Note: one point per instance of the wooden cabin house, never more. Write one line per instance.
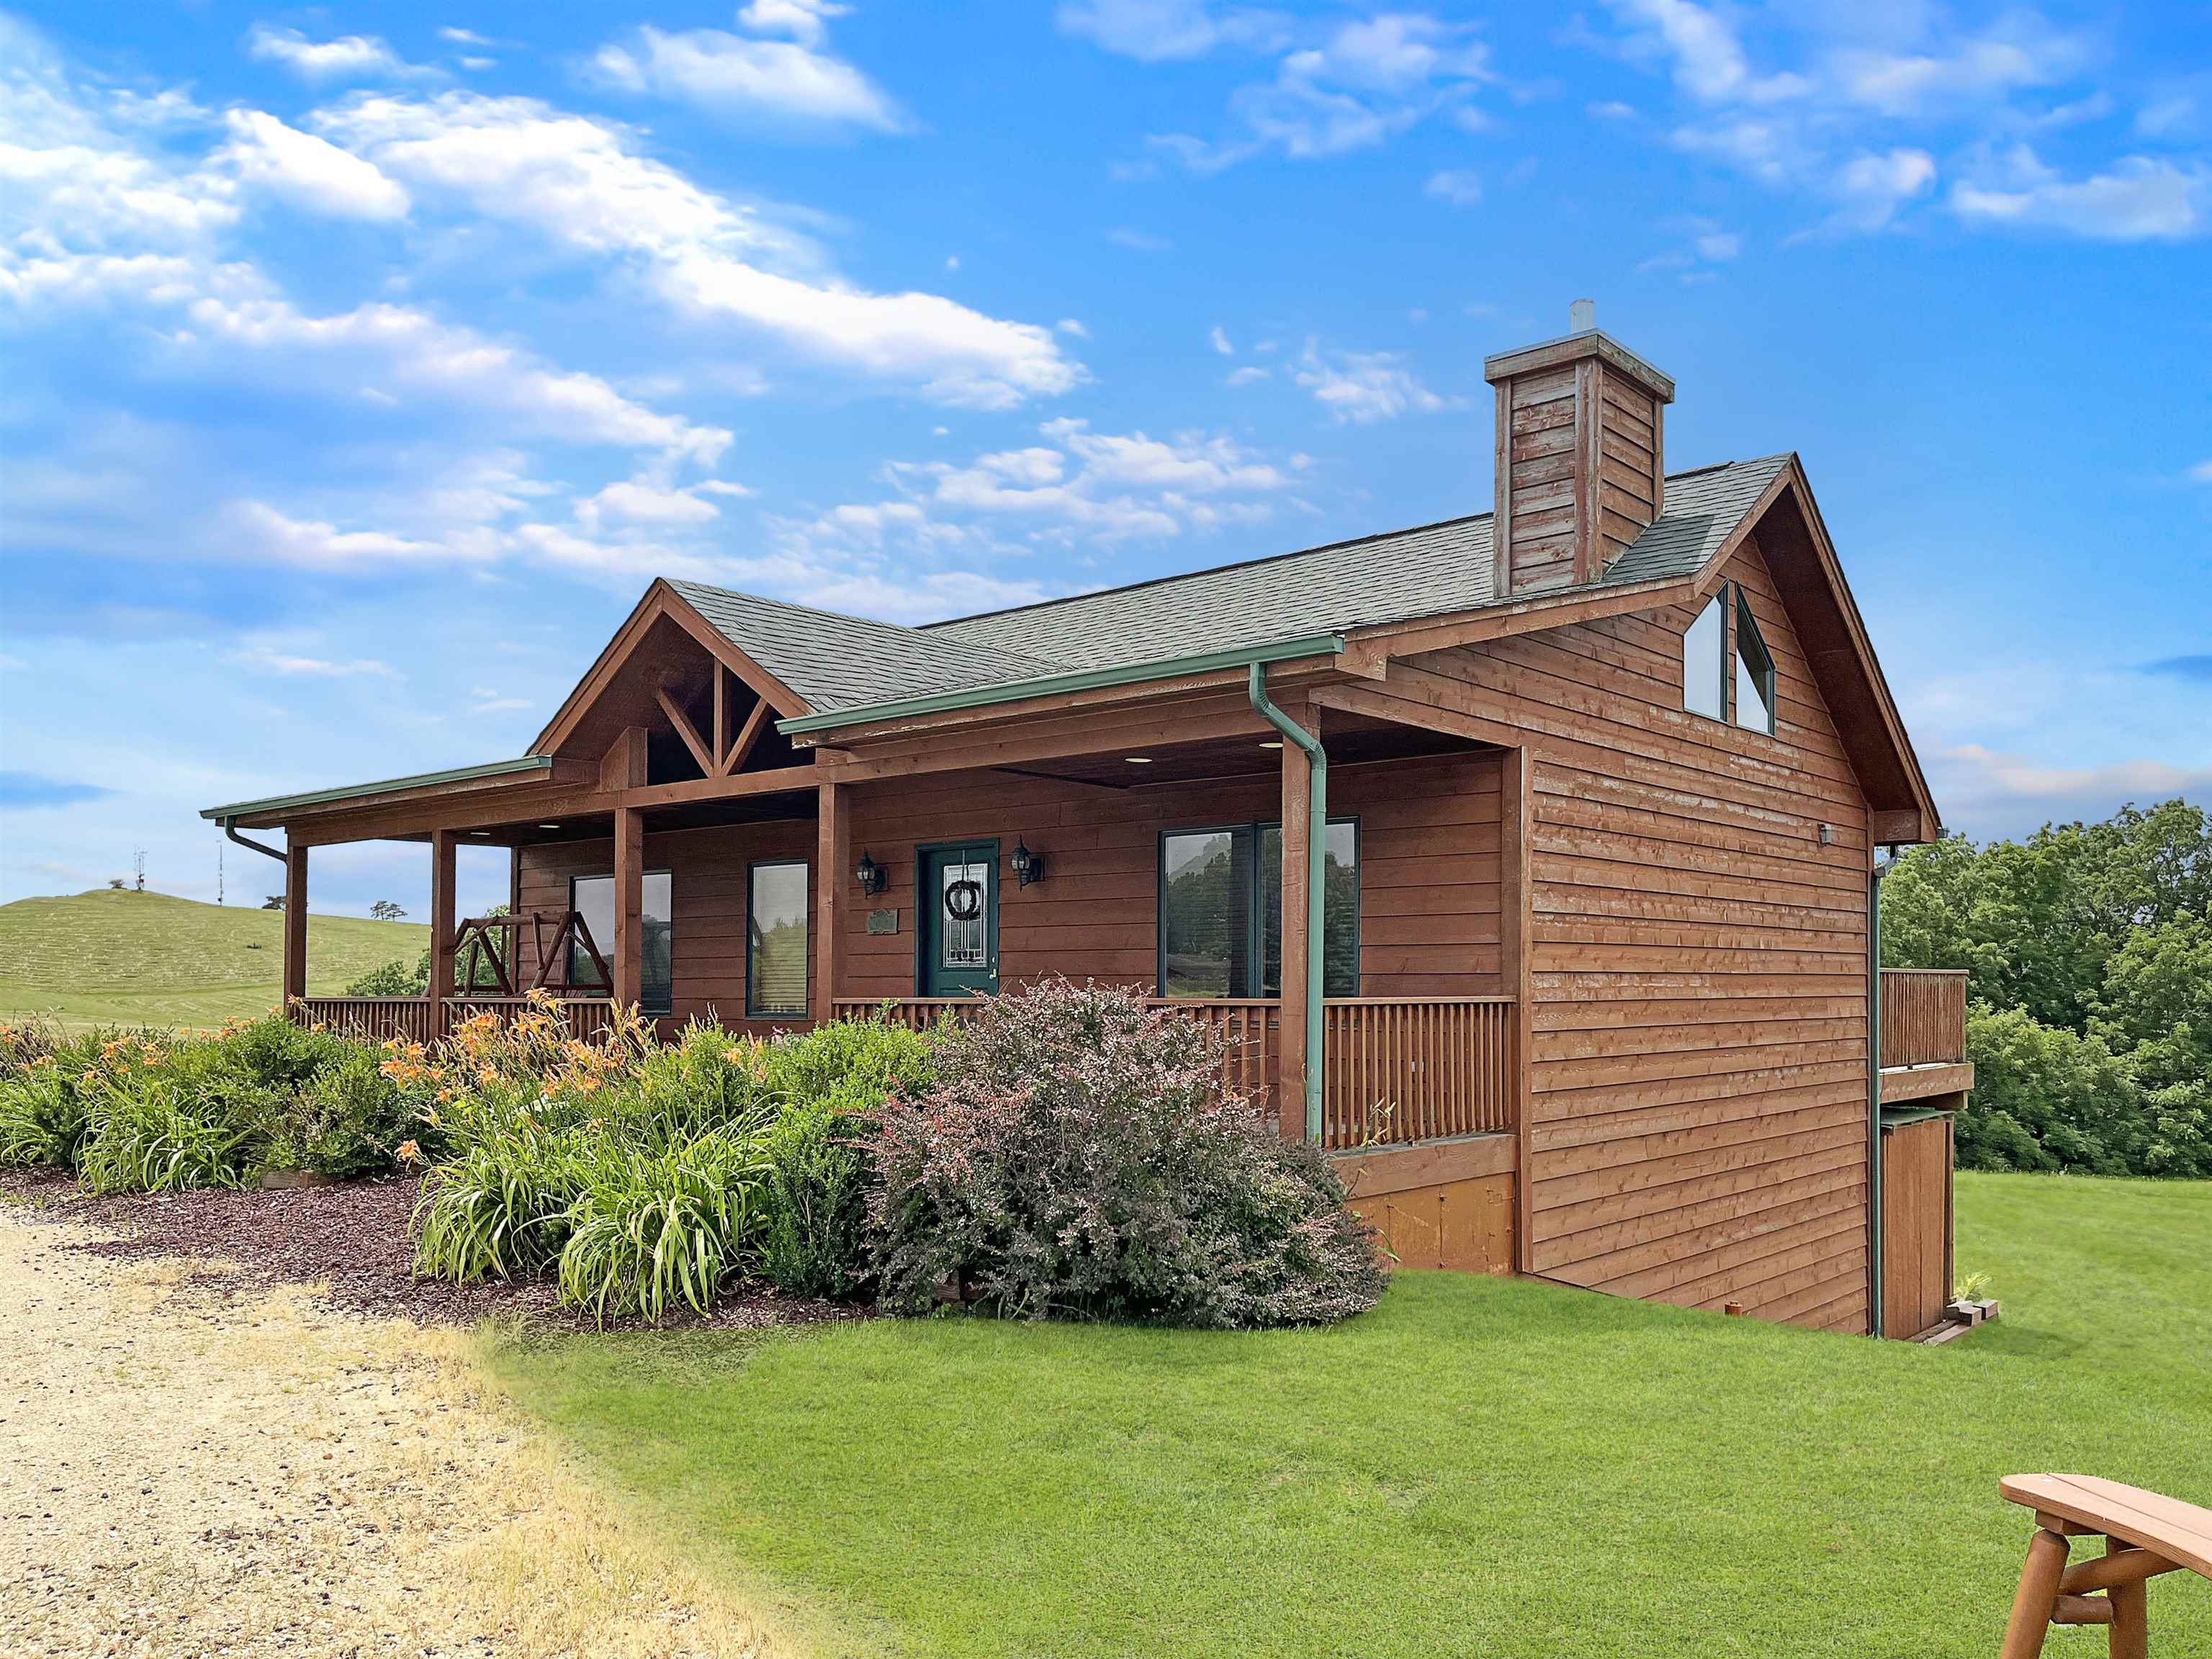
(1526, 858)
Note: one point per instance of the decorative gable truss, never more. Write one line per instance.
(672, 700)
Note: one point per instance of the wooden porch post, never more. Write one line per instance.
(295, 922)
(832, 855)
(1290, 1057)
(441, 927)
(1516, 769)
(628, 964)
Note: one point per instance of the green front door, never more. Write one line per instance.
(957, 902)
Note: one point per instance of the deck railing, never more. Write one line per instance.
(1924, 1016)
(1395, 1069)
(1416, 1068)
(381, 1019)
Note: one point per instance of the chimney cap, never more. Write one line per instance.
(1582, 317)
(1572, 349)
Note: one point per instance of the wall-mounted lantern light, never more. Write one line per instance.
(1028, 867)
(872, 876)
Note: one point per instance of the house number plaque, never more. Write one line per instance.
(883, 921)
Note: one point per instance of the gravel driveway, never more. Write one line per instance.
(195, 1463)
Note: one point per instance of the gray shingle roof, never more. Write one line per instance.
(838, 662)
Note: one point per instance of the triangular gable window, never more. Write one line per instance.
(1754, 672)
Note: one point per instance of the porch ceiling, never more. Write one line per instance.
(1351, 740)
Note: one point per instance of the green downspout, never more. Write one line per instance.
(1316, 881)
(1874, 1090)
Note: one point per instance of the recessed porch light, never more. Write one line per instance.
(548, 826)
(1138, 760)
(480, 832)
(1277, 744)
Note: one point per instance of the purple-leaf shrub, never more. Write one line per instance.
(1078, 1155)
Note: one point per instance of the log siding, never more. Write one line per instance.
(1698, 970)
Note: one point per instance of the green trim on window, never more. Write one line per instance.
(1758, 660)
(753, 1008)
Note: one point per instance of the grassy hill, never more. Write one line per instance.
(131, 959)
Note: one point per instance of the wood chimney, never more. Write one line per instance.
(1581, 456)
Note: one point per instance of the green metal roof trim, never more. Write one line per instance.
(1078, 679)
(389, 787)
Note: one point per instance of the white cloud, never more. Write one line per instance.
(1162, 31)
(1877, 94)
(1352, 87)
(307, 172)
(1460, 186)
(264, 533)
(1219, 339)
(1872, 187)
(1246, 375)
(1365, 386)
(267, 658)
(489, 701)
(2202, 472)
(348, 57)
(461, 37)
(730, 75)
(804, 21)
(581, 184)
(1709, 59)
(641, 502)
(1141, 241)
(2138, 198)
(1985, 793)
(1071, 327)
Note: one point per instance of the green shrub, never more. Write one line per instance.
(815, 1201)
(1078, 1156)
(42, 1117)
(349, 1121)
(48, 1082)
(2046, 1099)
(152, 1132)
(394, 979)
(498, 1207)
(652, 1227)
(872, 1055)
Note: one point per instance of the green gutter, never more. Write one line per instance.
(1080, 679)
(389, 787)
(1317, 882)
(1874, 1095)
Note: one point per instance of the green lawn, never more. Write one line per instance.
(148, 958)
(1479, 1466)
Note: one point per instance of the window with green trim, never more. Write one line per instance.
(1755, 671)
(1221, 911)
(776, 947)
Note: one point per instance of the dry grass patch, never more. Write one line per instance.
(192, 1463)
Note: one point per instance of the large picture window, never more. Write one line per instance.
(776, 949)
(594, 897)
(1221, 911)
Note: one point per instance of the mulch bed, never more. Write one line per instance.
(351, 1238)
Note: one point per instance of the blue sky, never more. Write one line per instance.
(362, 364)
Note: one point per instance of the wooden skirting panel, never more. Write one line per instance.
(1447, 1204)
(1916, 1225)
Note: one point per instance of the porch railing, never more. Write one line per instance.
(1395, 1069)
(413, 1019)
(1924, 1016)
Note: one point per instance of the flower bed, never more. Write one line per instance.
(1069, 1153)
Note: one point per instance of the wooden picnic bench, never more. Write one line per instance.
(2145, 1534)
